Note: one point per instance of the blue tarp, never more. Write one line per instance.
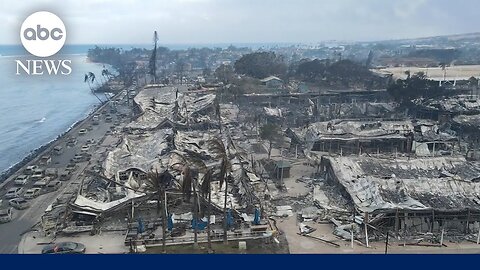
(229, 218)
(141, 226)
(256, 220)
(200, 225)
(170, 222)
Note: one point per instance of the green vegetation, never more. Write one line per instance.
(261, 64)
(415, 86)
(340, 74)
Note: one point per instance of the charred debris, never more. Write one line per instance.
(192, 168)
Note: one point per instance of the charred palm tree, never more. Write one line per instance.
(190, 168)
(206, 191)
(218, 115)
(217, 147)
(159, 182)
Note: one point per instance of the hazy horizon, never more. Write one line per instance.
(246, 21)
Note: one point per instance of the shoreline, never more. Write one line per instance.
(35, 153)
(39, 151)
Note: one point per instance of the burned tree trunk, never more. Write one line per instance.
(164, 219)
(208, 218)
(225, 221)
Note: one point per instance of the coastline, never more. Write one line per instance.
(35, 153)
(41, 150)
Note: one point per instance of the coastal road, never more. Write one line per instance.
(25, 220)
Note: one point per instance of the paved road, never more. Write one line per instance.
(24, 220)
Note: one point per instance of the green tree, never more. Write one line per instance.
(417, 86)
(261, 64)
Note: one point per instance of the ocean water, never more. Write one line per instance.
(34, 110)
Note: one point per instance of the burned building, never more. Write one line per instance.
(422, 138)
(357, 136)
(409, 196)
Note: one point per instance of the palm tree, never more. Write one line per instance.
(191, 166)
(217, 147)
(105, 76)
(89, 79)
(206, 191)
(159, 182)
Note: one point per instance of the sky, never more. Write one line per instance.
(245, 21)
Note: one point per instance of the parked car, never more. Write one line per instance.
(78, 158)
(43, 182)
(30, 169)
(71, 142)
(91, 141)
(64, 175)
(45, 160)
(13, 192)
(108, 119)
(19, 203)
(64, 248)
(85, 148)
(52, 172)
(21, 180)
(54, 185)
(82, 131)
(37, 174)
(6, 215)
(71, 166)
(32, 193)
(58, 150)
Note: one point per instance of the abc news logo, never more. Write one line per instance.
(43, 34)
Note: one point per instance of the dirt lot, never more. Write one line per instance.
(452, 73)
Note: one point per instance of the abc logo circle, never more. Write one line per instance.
(43, 34)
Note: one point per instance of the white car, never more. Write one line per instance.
(85, 148)
(19, 203)
(6, 215)
(21, 180)
(32, 193)
(82, 131)
(30, 169)
(43, 182)
(13, 192)
(54, 185)
(37, 174)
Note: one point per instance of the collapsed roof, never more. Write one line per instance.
(158, 105)
(442, 183)
(139, 151)
(456, 104)
(467, 121)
